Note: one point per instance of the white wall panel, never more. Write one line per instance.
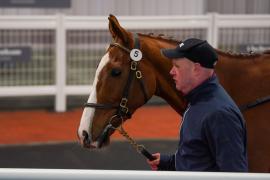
(149, 7)
(121, 7)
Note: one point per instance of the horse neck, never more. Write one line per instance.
(165, 86)
(244, 78)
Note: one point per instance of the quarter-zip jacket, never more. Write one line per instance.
(212, 134)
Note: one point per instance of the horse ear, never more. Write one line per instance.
(116, 29)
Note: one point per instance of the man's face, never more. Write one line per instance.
(182, 73)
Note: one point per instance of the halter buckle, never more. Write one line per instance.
(123, 105)
(138, 74)
(133, 65)
(124, 110)
(123, 102)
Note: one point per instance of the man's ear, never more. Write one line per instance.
(116, 30)
(197, 67)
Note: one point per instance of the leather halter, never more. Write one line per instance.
(122, 107)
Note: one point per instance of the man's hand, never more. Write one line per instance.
(154, 164)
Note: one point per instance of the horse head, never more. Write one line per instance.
(121, 85)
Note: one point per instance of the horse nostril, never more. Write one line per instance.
(85, 134)
(86, 140)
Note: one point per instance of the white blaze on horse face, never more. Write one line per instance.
(88, 113)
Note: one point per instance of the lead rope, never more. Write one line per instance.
(138, 147)
(124, 133)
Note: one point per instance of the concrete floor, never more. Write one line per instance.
(118, 156)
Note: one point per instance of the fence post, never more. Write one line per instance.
(209, 33)
(214, 31)
(60, 99)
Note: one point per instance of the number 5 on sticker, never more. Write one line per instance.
(135, 54)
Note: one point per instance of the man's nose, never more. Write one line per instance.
(172, 71)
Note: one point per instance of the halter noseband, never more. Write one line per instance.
(122, 107)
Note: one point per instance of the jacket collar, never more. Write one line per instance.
(203, 90)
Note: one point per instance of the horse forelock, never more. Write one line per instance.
(88, 113)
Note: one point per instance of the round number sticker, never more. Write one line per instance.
(135, 54)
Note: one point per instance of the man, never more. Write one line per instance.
(213, 132)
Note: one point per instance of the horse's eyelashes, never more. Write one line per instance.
(115, 72)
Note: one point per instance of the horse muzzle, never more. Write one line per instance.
(86, 141)
(101, 141)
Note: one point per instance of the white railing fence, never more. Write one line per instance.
(49, 174)
(66, 50)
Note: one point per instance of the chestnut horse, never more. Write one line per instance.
(245, 77)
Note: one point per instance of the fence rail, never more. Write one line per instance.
(49, 174)
(66, 49)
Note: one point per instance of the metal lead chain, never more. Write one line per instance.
(138, 74)
(137, 146)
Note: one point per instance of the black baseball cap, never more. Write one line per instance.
(196, 50)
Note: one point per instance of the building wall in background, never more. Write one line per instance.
(238, 6)
(149, 8)
(117, 7)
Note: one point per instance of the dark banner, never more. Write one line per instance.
(15, 54)
(35, 3)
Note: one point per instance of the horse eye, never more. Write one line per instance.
(115, 72)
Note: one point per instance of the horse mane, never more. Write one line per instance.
(266, 51)
(238, 55)
(228, 53)
(161, 37)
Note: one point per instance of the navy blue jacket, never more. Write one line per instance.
(212, 135)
